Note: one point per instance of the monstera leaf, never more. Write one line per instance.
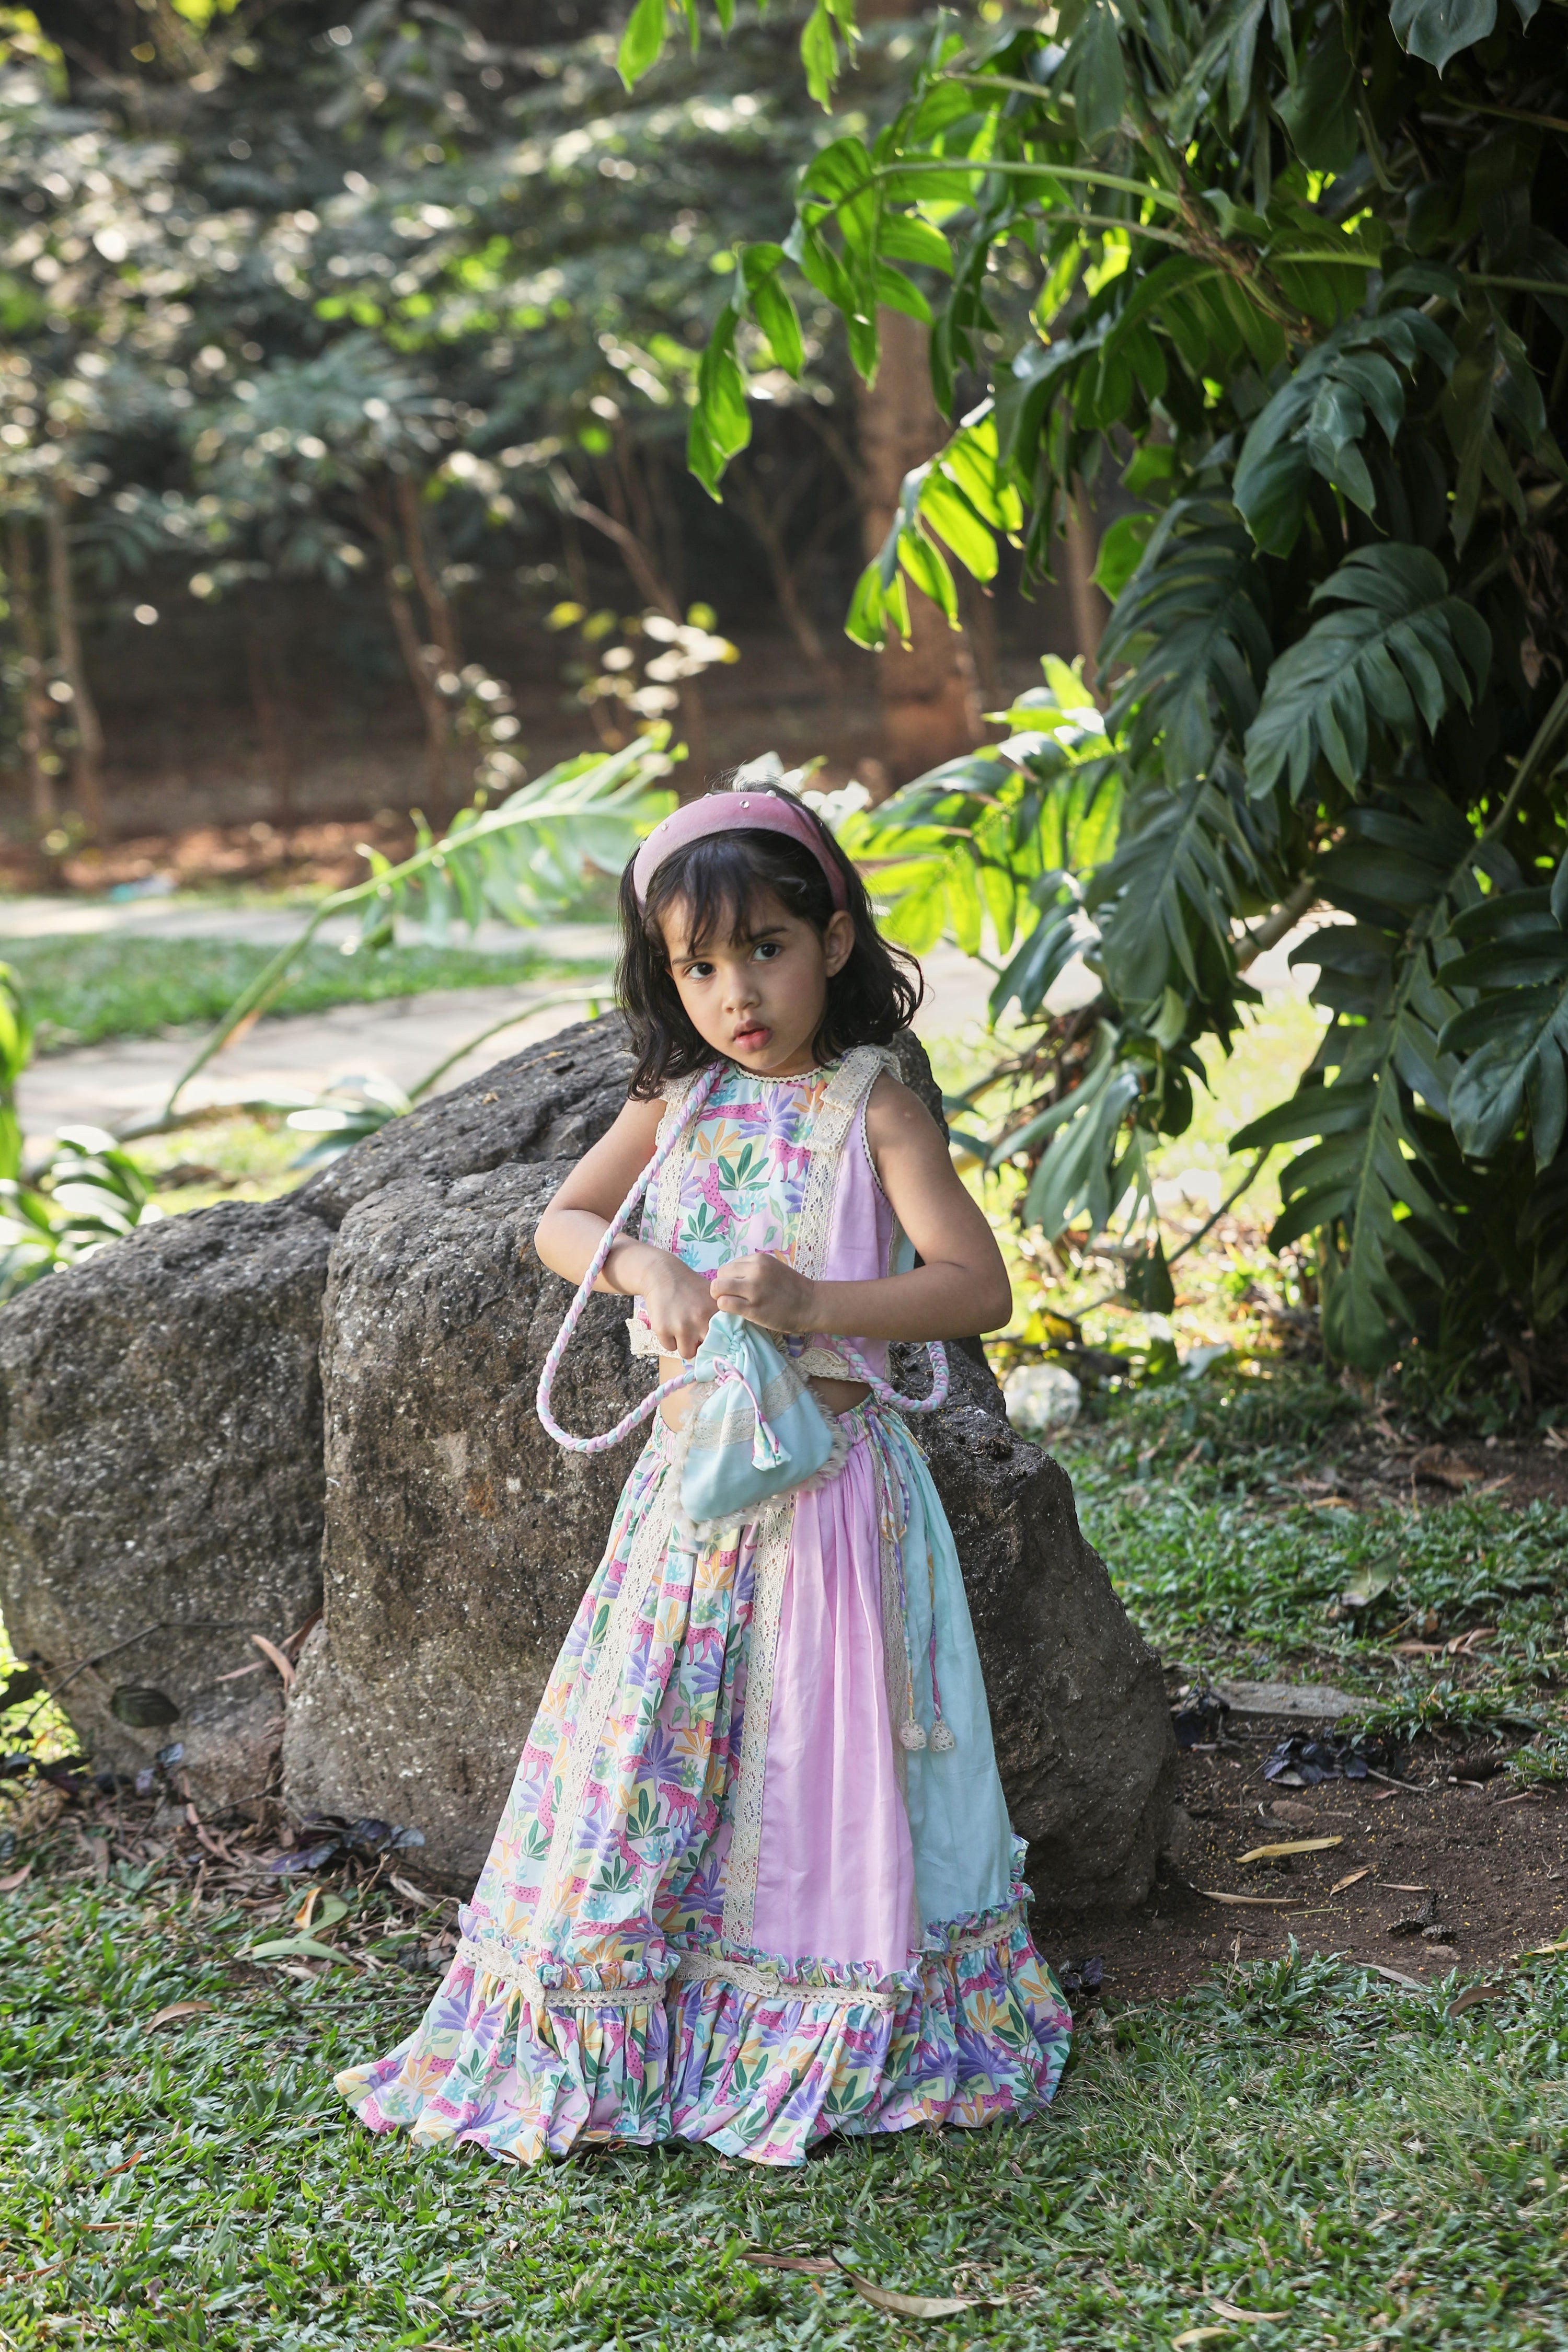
(1516, 1035)
(1401, 649)
(1316, 422)
(1183, 862)
(1190, 623)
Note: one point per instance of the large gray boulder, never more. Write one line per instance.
(459, 1538)
(161, 1472)
(161, 1482)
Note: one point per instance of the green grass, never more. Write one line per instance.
(1295, 2138)
(84, 991)
(1190, 1493)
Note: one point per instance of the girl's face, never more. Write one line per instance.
(759, 997)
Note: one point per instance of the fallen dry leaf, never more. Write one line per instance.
(8, 1886)
(270, 1650)
(1252, 1902)
(1520, 1797)
(912, 2307)
(1291, 1845)
(1197, 2335)
(1350, 1878)
(1473, 1996)
(1541, 1951)
(1234, 2311)
(1381, 1795)
(813, 2265)
(1397, 1975)
(405, 1886)
(1397, 1886)
(176, 2009)
(130, 2160)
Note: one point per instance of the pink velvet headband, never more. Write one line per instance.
(763, 812)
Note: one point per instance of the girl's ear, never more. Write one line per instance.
(837, 941)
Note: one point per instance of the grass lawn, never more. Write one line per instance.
(83, 991)
(1295, 2140)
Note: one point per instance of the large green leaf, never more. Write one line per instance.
(1315, 422)
(1189, 626)
(1401, 649)
(1439, 29)
(1515, 1036)
(1184, 861)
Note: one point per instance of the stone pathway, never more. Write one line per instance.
(402, 1039)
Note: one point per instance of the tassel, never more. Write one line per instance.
(766, 1451)
(912, 1735)
(942, 1736)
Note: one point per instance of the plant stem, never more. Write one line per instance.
(250, 1001)
(524, 1012)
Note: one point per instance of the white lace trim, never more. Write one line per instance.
(493, 1958)
(775, 1530)
(703, 1968)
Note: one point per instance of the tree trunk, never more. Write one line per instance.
(930, 710)
(86, 761)
(35, 701)
(437, 606)
(397, 577)
(1088, 606)
(261, 667)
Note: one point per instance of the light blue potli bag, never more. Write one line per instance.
(759, 1433)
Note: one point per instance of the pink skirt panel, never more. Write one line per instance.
(836, 1877)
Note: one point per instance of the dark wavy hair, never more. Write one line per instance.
(723, 881)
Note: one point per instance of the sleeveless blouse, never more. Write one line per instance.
(779, 1167)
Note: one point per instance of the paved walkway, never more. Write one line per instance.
(402, 1039)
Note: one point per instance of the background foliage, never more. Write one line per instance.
(1298, 274)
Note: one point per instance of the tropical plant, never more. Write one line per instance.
(89, 1192)
(531, 856)
(1299, 273)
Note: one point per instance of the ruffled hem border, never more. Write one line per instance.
(725, 2056)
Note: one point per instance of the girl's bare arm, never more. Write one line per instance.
(680, 1303)
(961, 1288)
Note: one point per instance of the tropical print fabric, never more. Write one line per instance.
(743, 1178)
(602, 1989)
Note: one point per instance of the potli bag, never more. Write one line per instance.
(759, 1433)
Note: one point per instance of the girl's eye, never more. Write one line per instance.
(768, 948)
(698, 971)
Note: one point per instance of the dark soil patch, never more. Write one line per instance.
(1494, 1858)
(1370, 1467)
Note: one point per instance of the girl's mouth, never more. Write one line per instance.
(753, 1040)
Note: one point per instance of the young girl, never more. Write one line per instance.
(755, 1881)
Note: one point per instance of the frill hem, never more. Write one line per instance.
(726, 2054)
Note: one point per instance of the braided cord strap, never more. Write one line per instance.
(890, 1396)
(650, 1403)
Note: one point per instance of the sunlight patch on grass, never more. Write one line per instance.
(84, 991)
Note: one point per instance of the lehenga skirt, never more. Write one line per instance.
(756, 1882)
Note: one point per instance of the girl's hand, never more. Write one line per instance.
(766, 1291)
(679, 1305)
